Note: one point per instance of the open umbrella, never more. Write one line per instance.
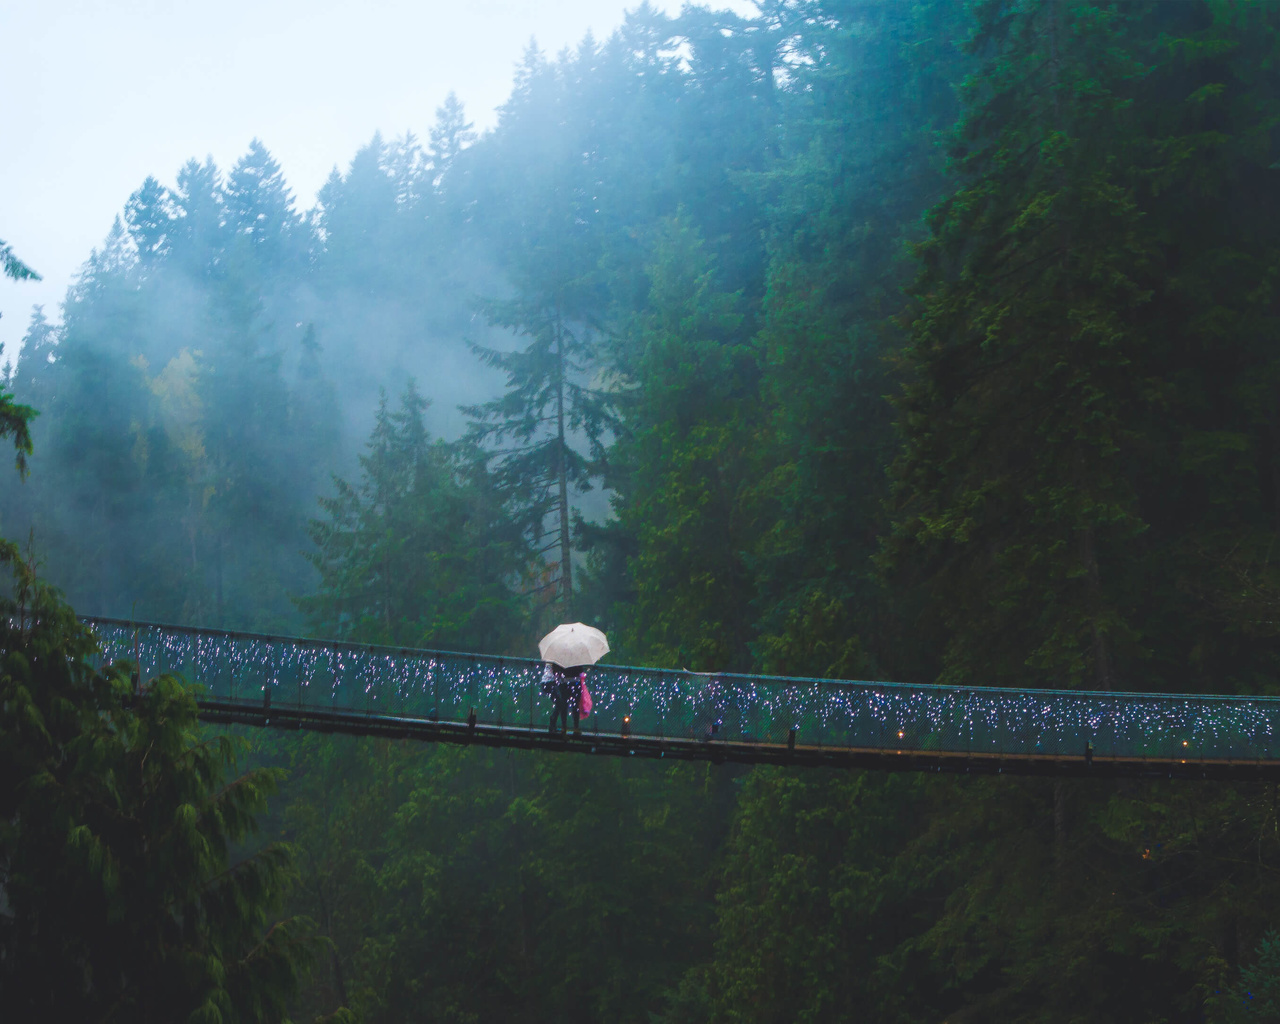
(572, 644)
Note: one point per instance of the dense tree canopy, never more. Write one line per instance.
(127, 892)
(924, 340)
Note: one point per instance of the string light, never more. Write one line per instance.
(445, 687)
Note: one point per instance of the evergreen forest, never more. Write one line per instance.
(916, 340)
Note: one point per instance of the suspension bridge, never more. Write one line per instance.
(292, 683)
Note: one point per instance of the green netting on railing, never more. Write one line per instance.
(382, 681)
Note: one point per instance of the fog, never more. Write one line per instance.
(107, 92)
(932, 341)
(300, 216)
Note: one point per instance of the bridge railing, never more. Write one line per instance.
(447, 686)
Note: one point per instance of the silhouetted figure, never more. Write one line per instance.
(563, 686)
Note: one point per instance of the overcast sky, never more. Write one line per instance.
(101, 93)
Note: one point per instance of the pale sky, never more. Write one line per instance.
(101, 93)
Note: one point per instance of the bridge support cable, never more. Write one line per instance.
(447, 697)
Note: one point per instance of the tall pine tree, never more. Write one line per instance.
(544, 435)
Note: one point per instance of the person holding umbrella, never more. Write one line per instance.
(569, 650)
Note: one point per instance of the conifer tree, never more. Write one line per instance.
(860, 165)
(315, 417)
(13, 267)
(259, 209)
(122, 896)
(450, 135)
(689, 423)
(149, 216)
(34, 377)
(244, 404)
(358, 213)
(543, 436)
(15, 419)
(199, 209)
(14, 422)
(419, 551)
(1047, 352)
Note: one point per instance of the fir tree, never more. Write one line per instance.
(199, 209)
(15, 419)
(1038, 361)
(259, 209)
(13, 267)
(534, 435)
(149, 216)
(123, 898)
(417, 553)
(681, 469)
(450, 135)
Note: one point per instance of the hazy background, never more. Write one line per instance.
(105, 92)
(1039, 450)
(296, 235)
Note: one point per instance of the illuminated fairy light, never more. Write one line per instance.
(742, 709)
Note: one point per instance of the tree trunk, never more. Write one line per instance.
(217, 580)
(386, 602)
(566, 567)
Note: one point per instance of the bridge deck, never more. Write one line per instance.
(722, 751)
(446, 697)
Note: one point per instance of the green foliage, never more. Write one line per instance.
(420, 553)
(1078, 432)
(705, 226)
(683, 462)
(862, 165)
(529, 435)
(15, 419)
(175, 396)
(123, 896)
(475, 885)
(1082, 353)
(1256, 997)
(14, 268)
(962, 899)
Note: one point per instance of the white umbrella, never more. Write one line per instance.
(573, 644)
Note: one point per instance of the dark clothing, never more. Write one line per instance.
(560, 710)
(563, 687)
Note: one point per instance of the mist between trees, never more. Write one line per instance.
(931, 341)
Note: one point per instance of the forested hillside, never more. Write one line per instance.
(935, 341)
